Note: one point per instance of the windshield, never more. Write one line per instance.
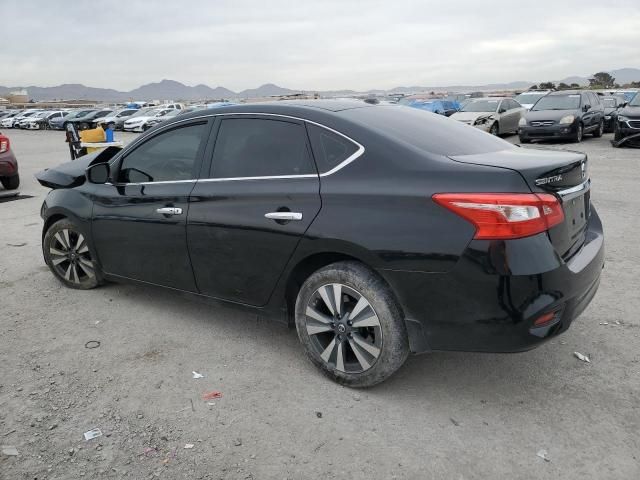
(529, 98)
(126, 113)
(635, 102)
(481, 106)
(558, 102)
(143, 112)
(610, 102)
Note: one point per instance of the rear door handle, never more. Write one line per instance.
(284, 216)
(169, 211)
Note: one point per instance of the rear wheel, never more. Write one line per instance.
(600, 130)
(10, 183)
(67, 254)
(524, 140)
(350, 325)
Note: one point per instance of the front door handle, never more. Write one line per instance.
(169, 211)
(284, 216)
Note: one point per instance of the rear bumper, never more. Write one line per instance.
(547, 133)
(490, 300)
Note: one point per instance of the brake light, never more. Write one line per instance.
(504, 215)
(4, 144)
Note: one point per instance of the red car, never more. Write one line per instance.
(8, 165)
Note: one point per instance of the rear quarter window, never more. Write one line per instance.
(426, 131)
(329, 148)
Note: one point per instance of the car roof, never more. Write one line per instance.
(567, 92)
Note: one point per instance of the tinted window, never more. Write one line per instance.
(569, 101)
(425, 131)
(260, 148)
(168, 156)
(329, 149)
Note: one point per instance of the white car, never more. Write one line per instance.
(138, 122)
(118, 115)
(13, 121)
(41, 120)
(493, 115)
(528, 99)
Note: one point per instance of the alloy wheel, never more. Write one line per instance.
(343, 328)
(70, 256)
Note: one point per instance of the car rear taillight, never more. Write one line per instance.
(504, 215)
(4, 144)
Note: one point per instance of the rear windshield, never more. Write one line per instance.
(427, 131)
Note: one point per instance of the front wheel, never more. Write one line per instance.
(600, 130)
(10, 183)
(67, 255)
(350, 325)
(577, 137)
(495, 129)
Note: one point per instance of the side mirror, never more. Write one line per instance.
(98, 173)
(586, 108)
(502, 110)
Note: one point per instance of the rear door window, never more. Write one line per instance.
(329, 149)
(256, 147)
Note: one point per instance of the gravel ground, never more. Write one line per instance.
(443, 415)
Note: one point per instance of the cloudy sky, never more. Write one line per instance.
(308, 44)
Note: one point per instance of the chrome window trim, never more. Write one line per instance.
(577, 188)
(338, 167)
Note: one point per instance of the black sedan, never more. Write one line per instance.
(375, 230)
(563, 115)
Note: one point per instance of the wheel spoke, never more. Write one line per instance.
(67, 274)
(58, 261)
(337, 298)
(361, 360)
(361, 342)
(61, 241)
(370, 321)
(360, 306)
(326, 354)
(340, 357)
(65, 234)
(57, 253)
(316, 329)
(87, 268)
(324, 293)
(316, 315)
(81, 245)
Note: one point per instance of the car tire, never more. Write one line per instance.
(600, 130)
(577, 137)
(524, 140)
(361, 353)
(68, 256)
(495, 129)
(10, 183)
(617, 134)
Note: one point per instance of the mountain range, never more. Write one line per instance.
(170, 89)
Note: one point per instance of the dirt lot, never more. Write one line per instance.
(442, 416)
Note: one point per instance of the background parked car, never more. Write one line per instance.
(90, 119)
(441, 107)
(8, 165)
(565, 115)
(611, 106)
(529, 98)
(494, 115)
(628, 123)
(13, 121)
(60, 122)
(116, 115)
(41, 121)
(137, 122)
(152, 122)
(7, 119)
(119, 122)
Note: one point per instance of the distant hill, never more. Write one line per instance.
(172, 90)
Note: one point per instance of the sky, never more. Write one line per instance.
(312, 45)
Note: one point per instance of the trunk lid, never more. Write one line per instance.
(561, 173)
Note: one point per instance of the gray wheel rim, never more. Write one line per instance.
(70, 256)
(343, 328)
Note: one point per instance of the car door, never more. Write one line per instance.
(255, 200)
(139, 219)
(587, 108)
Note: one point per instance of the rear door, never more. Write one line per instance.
(139, 220)
(255, 199)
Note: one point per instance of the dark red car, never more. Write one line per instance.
(8, 165)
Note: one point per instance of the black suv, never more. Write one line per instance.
(565, 115)
(628, 120)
